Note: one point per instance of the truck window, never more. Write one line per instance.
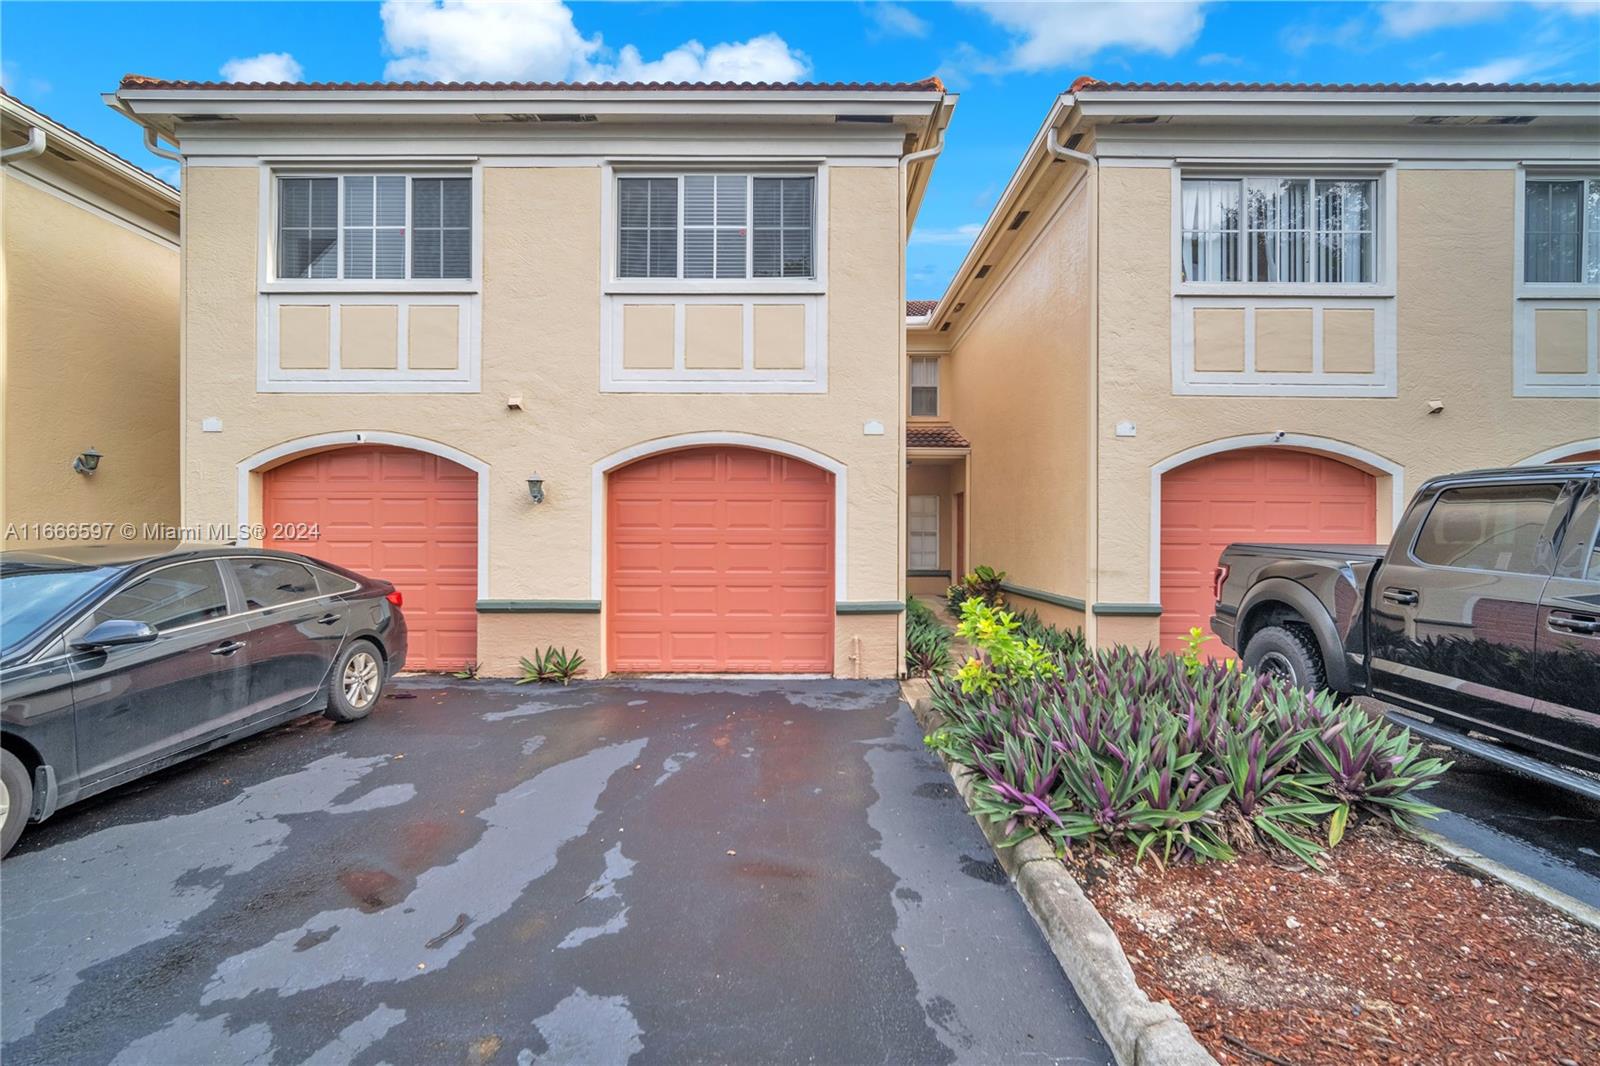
(1580, 548)
(1490, 527)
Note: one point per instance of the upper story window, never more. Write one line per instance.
(1561, 231)
(368, 227)
(1267, 229)
(925, 387)
(716, 226)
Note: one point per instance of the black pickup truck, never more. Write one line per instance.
(1482, 614)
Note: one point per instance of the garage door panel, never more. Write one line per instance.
(403, 516)
(1250, 495)
(745, 554)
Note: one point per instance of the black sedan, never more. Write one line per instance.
(114, 664)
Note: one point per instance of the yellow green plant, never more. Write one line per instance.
(1006, 656)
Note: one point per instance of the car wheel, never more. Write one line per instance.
(16, 799)
(1288, 653)
(357, 682)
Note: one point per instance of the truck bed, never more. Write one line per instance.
(1370, 553)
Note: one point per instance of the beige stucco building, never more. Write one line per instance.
(615, 368)
(88, 336)
(1202, 314)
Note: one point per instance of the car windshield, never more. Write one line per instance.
(31, 597)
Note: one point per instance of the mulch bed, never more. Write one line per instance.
(1393, 953)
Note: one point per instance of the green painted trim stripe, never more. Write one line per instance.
(538, 606)
(928, 573)
(1072, 603)
(870, 607)
(1147, 610)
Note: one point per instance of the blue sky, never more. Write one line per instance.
(1007, 60)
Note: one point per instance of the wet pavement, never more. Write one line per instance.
(1536, 829)
(646, 871)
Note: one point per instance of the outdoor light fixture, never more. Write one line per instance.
(87, 462)
(536, 488)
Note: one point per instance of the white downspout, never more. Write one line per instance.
(164, 153)
(33, 146)
(1091, 590)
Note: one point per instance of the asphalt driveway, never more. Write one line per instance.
(662, 871)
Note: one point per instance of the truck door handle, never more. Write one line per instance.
(328, 619)
(1402, 597)
(227, 647)
(1574, 624)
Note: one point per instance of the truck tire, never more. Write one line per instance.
(16, 796)
(1288, 652)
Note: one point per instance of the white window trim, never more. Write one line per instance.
(267, 230)
(1187, 381)
(811, 378)
(1531, 297)
(911, 559)
(938, 398)
(1385, 226)
(613, 283)
(464, 377)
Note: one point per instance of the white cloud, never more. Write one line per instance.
(1219, 59)
(895, 20)
(1408, 18)
(949, 235)
(537, 40)
(1507, 68)
(268, 66)
(1046, 36)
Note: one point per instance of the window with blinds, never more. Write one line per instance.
(374, 227)
(1561, 231)
(716, 226)
(923, 530)
(925, 387)
(1279, 230)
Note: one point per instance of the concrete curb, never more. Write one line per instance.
(1575, 909)
(1138, 1031)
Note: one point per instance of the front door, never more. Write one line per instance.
(138, 702)
(1455, 618)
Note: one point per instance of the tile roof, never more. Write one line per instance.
(918, 308)
(934, 437)
(141, 81)
(1095, 85)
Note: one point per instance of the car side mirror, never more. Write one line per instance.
(116, 633)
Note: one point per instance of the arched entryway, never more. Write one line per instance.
(1578, 451)
(401, 514)
(719, 558)
(1271, 494)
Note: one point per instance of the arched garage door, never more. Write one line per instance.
(719, 560)
(404, 516)
(1254, 494)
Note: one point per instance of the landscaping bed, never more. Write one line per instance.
(1392, 953)
(1248, 846)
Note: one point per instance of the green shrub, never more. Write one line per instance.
(1057, 641)
(551, 665)
(927, 642)
(1176, 759)
(468, 672)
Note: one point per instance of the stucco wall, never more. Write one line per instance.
(91, 360)
(1021, 372)
(541, 339)
(1454, 319)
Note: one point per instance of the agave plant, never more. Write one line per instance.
(551, 665)
(1365, 760)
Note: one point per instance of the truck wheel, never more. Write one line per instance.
(356, 683)
(1289, 653)
(16, 799)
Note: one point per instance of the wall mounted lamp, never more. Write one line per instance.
(536, 488)
(87, 462)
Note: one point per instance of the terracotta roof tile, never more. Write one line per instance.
(141, 81)
(934, 437)
(918, 308)
(1095, 85)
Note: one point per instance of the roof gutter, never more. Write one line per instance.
(156, 149)
(34, 146)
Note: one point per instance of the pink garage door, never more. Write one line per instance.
(720, 560)
(406, 517)
(1256, 494)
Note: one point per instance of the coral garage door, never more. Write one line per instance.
(407, 517)
(720, 560)
(1255, 494)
